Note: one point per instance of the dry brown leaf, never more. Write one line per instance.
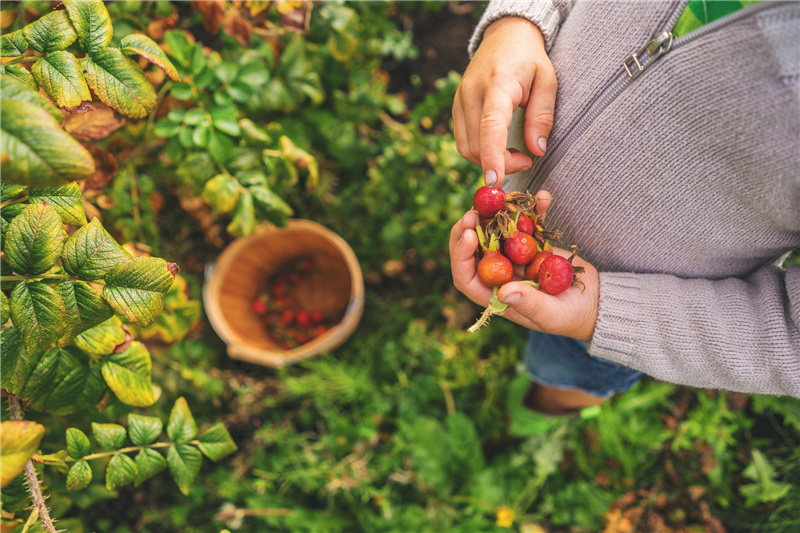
(105, 166)
(238, 27)
(157, 28)
(294, 14)
(7, 18)
(212, 11)
(93, 125)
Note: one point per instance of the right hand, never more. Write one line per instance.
(510, 69)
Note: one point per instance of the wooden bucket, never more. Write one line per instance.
(242, 269)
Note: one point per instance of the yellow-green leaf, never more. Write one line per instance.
(38, 312)
(136, 289)
(216, 442)
(92, 23)
(102, 339)
(149, 463)
(67, 200)
(34, 240)
(84, 306)
(5, 310)
(119, 82)
(59, 74)
(181, 426)
(121, 470)
(35, 151)
(77, 443)
(128, 375)
(221, 193)
(136, 43)
(13, 44)
(144, 430)
(50, 33)
(110, 437)
(13, 88)
(91, 252)
(184, 464)
(79, 476)
(21, 74)
(20, 440)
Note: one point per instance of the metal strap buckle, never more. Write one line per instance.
(656, 48)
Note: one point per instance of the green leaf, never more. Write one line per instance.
(34, 150)
(70, 384)
(149, 463)
(120, 471)
(136, 290)
(91, 252)
(128, 374)
(216, 442)
(5, 310)
(102, 339)
(84, 306)
(143, 430)
(765, 489)
(13, 88)
(59, 74)
(20, 441)
(184, 464)
(50, 33)
(244, 217)
(270, 205)
(67, 200)
(181, 427)
(119, 82)
(9, 191)
(221, 193)
(110, 437)
(34, 240)
(41, 380)
(146, 47)
(77, 443)
(92, 23)
(79, 476)
(13, 44)
(221, 147)
(38, 311)
(12, 353)
(23, 75)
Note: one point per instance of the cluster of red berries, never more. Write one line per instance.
(287, 323)
(511, 233)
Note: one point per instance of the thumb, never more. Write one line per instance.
(522, 298)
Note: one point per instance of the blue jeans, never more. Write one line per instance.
(564, 363)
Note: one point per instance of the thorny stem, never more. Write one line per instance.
(34, 488)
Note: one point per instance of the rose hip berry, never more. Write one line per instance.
(525, 224)
(489, 201)
(555, 274)
(532, 269)
(494, 269)
(520, 248)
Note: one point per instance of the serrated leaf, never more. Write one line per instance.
(184, 464)
(765, 488)
(119, 82)
(91, 252)
(38, 312)
(220, 147)
(13, 88)
(128, 375)
(146, 47)
(110, 437)
(42, 378)
(67, 200)
(102, 339)
(92, 23)
(13, 44)
(20, 441)
(79, 476)
(84, 307)
(181, 427)
(21, 74)
(50, 33)
(34, 150)
(178, 318)
(136, 290)
(120, 471)
(73, 386)
(5, 310)
(77, 443)
(144, 430)
(270, 204)
(34, 240)
(60, 75)
(9, 191)
(244, 220)
(221, 193)
(216, 442)
(149, 462)
(11, 351)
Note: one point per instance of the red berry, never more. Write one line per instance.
(525, 224)
(532, 270)
(320, 330)
(520, 248)
(494, 269)
(316, 317)
(555, 274)
(286, 318)
(489, 201)
(258, 307)
(303, 319)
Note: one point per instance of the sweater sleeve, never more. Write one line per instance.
(734, 334)
(546, 14)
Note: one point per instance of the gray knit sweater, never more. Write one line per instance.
(681, 185)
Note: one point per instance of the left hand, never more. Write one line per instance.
(573, 313)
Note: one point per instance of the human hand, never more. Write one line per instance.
(573, 313)
(510, 69)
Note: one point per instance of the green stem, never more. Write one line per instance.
(31, 520)
(17, 277)
(23, 198)
(128, 449)
(137, 215)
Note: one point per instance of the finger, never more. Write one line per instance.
(516, 161)
(539, 111)
(494, 122)
(543, 204)
(460, 131)
(468, 221)
(471, 109)
(525, 303)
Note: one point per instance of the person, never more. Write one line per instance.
(673, 161)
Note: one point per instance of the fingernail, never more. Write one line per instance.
(523, 169)
(490, 177)
(512, 298)
(542, 142)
